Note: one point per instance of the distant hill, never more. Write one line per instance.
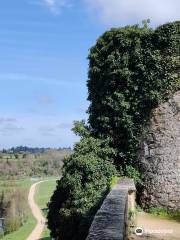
(27, 162)
(25, 149)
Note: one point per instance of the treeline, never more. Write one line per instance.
(48, 163)
(25, 149)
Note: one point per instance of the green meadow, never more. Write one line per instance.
(23, 232)
(43, 194)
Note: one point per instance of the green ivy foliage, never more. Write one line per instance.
(131, 70)
(87, 176)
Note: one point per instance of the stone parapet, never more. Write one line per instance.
(111, 221)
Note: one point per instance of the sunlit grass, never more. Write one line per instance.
(164, 213)
(23, 232)
(43, 194)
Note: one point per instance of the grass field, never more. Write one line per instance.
(42, 197)
(44, 191)
(24, 231)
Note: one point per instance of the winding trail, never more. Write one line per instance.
(37, 231)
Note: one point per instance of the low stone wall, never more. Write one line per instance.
(111, 221)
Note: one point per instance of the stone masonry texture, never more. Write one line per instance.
(159, 157)
(110, 222)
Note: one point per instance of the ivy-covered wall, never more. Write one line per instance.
(131, 71)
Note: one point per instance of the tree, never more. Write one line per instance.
(87, 176)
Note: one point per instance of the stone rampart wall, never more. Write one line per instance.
(110, 221)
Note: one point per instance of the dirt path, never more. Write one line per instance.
(37, 231)
(156, 228)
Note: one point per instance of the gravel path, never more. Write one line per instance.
(156, 228)
(37, 231)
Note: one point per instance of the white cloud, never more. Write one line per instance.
(44, 100)
(56, 5)
(65, 125)
(10, 127)
(50, 3)
(7, 120)
(121, 12)
(20, 77)
(37, 130)
(10, 130)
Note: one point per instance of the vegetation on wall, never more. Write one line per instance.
(131, 70)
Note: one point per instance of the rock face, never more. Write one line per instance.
(159, 157)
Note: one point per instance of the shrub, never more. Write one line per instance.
(13, 208)
(133, 173)
(87, 176)
(12, 224)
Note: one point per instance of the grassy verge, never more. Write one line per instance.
(24, 231)
(164, 213)
(42, 197)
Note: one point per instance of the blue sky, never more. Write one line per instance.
(43, 61)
